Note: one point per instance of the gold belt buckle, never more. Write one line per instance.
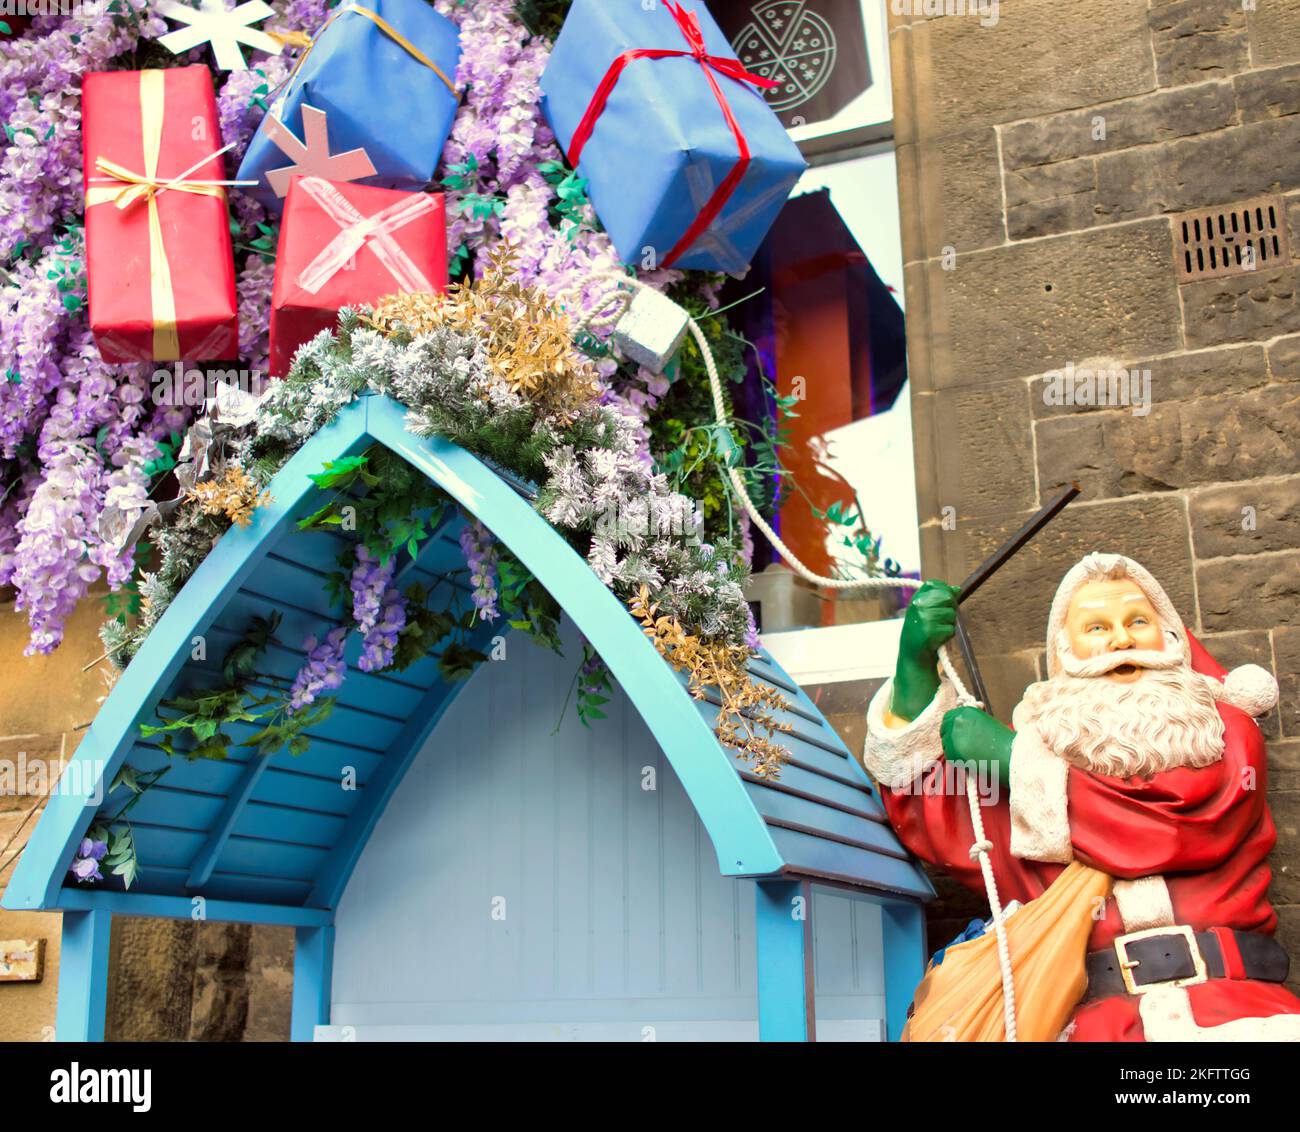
(1126, 964)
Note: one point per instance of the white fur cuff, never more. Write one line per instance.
(895, 757)
(1040, 824)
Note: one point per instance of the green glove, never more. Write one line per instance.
(930, 622)
(973, 736)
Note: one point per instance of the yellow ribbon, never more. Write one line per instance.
(146, 186)
(384, 26)
(290, 38)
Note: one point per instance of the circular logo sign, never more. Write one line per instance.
(787, 42)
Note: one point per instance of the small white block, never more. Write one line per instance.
(651, 329)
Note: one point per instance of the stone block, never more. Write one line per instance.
(1026, 308)
(1246, 518)
(1271, 93)
(1274, 33)
(1239, 436)
(1044, 200)
(1178, 377)
(1259, 592)
(1196, 40)
(1028, 64)
(950, 189)
(1284, 764)
(983, 450)
(1242, 308)
(1204, 171)
(1113, 126)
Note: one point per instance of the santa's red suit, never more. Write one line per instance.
(1185, 845)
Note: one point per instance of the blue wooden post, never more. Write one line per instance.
(783, 941)
(903, 931)
(83, 976)
(313, 973)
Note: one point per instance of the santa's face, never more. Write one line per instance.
(1108, 617)
(1124, 702)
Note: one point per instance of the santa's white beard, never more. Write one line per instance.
(1165, 719)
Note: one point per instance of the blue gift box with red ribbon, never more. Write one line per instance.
(686, 163)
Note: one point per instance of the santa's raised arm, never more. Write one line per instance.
(1137, 757)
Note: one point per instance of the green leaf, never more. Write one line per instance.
(337, 472)
(126, 777)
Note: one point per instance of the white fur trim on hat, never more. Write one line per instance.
(1098, 567)
(1251, 688)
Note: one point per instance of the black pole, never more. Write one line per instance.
(990, 566)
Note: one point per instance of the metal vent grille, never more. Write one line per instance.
(1232, 240)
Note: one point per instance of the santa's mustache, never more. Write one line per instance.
(1107, 662)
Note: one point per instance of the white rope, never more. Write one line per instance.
(980, 851)
(982, 847)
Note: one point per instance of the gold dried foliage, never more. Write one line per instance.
(745, 722)
(529, 339)
(234, 495)
(414, 312)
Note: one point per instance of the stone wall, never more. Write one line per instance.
(1041, 160)
(169, 981)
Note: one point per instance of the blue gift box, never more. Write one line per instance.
(375, 93)
(662, 146)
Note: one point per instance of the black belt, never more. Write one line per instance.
(1167, 955)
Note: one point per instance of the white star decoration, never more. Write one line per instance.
(225, 30)
(311, 156)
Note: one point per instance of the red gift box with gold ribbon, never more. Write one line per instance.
(159, 265)
(346, 245)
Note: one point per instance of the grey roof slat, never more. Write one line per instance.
(816, 856)
(793, 811)
(864, 806)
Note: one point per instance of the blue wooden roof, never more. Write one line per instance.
(276, 839)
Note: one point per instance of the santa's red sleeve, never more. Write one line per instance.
(925, 798)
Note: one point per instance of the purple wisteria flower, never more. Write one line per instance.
(593, 677)
(86, 865)
(481, 557)
(323, 671)
(378, 609)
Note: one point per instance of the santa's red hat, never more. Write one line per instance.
(1250, 687)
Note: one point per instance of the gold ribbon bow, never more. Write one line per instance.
(134, 187)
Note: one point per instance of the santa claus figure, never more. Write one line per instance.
(1125, 817)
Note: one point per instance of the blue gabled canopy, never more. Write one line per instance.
(275, 839)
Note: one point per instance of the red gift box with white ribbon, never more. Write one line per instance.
(345, 245)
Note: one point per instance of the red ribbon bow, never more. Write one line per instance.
(689, 24)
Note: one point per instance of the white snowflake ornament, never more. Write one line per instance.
(311, 155)
(211, 23)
